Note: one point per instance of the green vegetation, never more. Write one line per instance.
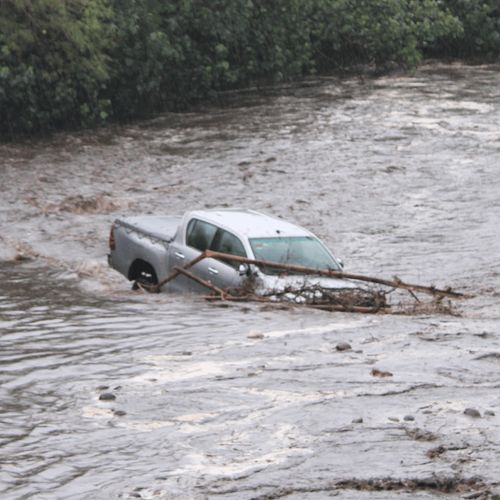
(479, 35)
(54, 64)
(73, 63)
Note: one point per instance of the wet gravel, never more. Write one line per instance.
(109, 393)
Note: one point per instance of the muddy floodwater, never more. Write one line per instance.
(110, 393)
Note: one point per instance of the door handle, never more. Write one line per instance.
(179, 255)
(212, 270)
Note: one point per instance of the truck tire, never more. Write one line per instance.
(142, 273)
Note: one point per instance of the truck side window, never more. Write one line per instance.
(226, 242)
(200, 234)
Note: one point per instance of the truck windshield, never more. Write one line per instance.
(297, 250)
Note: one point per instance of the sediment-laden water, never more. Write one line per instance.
(107, 393)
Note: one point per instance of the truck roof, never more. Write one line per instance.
(250, 223)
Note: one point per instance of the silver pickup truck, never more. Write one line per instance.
(147, 248)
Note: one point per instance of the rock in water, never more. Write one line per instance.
(255, 335)
(343, 346)
(472, 412)
(107, 396)
(380, 373)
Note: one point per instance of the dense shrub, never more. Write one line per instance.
(53, 64)
(380, 32)
(480, 33)
(168, 53)
(72, 63)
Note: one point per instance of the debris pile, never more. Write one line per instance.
(318, 297)
(371, 298)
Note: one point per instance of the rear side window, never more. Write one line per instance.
(204, 236)
(226, 242)
(200, 234)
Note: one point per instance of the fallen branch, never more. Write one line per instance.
(356, 300)
(345, 308)
(394, 283)
(177, 270)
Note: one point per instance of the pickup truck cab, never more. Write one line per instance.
(148, 248)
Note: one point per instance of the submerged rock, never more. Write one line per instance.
(255, 335)
(420, 434)
(343, 346)
(107, 396)
(472, 412)
(380, 373)
(436, 452)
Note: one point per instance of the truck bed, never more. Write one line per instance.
(156, 226)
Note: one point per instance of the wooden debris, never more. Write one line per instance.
(394, 283)
(355, 300)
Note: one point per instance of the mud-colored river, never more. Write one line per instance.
(400, 175)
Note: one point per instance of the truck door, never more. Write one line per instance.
(199, 236)
(224, 273)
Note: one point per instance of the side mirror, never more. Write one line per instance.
(341, 263)
(244, 270)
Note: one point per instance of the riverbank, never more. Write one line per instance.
(103, 61)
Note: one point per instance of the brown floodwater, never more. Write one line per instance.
(400, 175)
